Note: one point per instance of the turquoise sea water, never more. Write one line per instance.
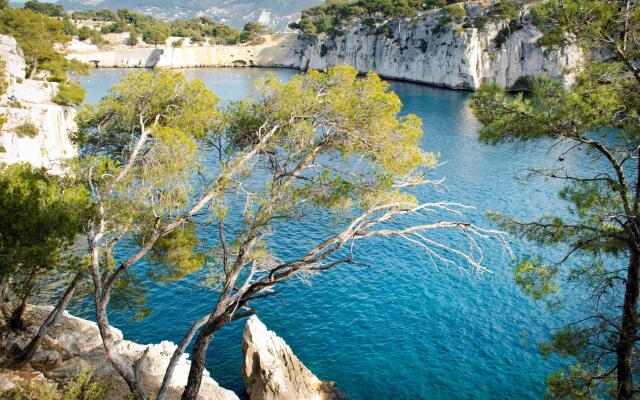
(400, 329)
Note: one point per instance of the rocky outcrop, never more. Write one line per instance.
(419, 50)
(272, 372)
(423, 51)
(76, 342)
(29, 102)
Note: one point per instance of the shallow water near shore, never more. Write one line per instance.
(401, 328)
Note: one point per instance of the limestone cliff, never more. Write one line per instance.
(422, 51)
(76, 343)
(419, 50)
(29, 102)
(272, 372)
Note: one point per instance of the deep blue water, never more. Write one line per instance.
(400, 329)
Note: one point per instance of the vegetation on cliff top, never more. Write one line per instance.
(333, 16)
(155, 31)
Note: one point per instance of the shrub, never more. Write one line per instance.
(178, 43)
(69, 94)
(84, 387)
(323, 50)
(424, 45)
(3, 78)
(27, 129)
(455, 12)
(133, 38)
(504, 33)
(84, 33)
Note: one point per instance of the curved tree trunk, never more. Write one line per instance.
(628, 329)
(52, 319)
(198, 361)
(121, 365)
(168, 375)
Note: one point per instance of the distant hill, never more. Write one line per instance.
(275, 14)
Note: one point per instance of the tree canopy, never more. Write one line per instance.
(37, 34)
(599, 118)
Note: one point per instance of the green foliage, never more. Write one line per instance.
(4, 4)
(37, 34)
(26, 392)
(507, 9)
(85, 387)
(69, 94)
(324, 49)
(598, 118)
(389, 143)
(536, 279)
(133, 38)
(50, 9)
(28, 130)
(155, 34)
(68, 27)
(85, 33)
(252, 32)
(40, 216)
(424, 45)
(96, 15)
(155, 31)
(168, 116)
(455, 12)
(335, 14)
(504, 33)
(3, 78)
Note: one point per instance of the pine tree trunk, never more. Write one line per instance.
(198, 361)
(628, 329)
(124, 369)
(52, 319)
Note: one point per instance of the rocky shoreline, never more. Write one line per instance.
(271, 370)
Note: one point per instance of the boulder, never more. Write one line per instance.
(273, 372)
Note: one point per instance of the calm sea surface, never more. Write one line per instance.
(400, 329)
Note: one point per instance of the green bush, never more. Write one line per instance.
(69, 94)
(27, 129)
(133, 37)
(3, 78)
(455, 12)
(504, 33)
(424, 45)
(85, 387)
(323, 50)
(84, 33)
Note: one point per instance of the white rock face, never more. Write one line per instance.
(272, 372)
(29, 101)
(76, 342)
(416, 50)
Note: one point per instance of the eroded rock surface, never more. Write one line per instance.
(76, 343)
(29, 101)
(273, 372)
